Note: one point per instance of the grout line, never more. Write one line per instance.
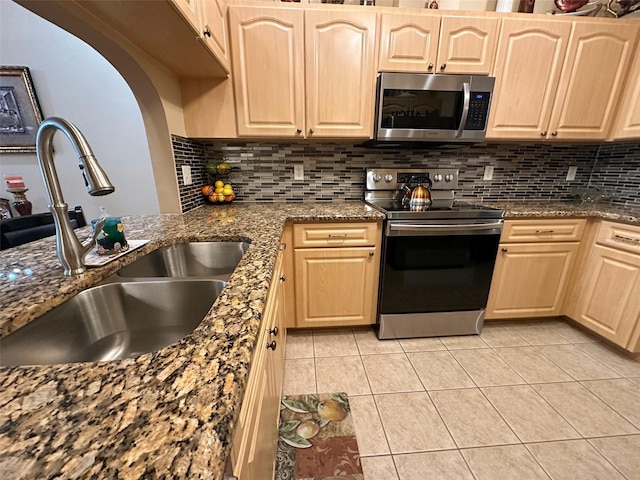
(637, 426)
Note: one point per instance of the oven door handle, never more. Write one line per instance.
(466, 94)
(395, 229)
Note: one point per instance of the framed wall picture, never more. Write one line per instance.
(20, 113)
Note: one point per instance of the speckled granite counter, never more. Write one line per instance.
(167, 414)
(532, 208)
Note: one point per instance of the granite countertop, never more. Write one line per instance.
(552, 208)
(166, 414)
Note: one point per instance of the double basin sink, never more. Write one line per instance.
(151, 303)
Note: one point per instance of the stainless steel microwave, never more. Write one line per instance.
(414, 107)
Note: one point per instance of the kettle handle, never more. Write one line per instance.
(428, 181)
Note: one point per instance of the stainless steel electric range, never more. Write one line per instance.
(437, 260)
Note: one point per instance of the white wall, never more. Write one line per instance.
(73, 81)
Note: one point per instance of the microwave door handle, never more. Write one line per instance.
(466, 93)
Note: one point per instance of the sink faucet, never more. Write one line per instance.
(70, 250)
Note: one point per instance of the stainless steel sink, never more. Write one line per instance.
(192, 259)
(112, 321)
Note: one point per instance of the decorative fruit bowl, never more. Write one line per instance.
(222, 193)
(214, 169)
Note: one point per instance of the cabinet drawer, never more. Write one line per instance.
(544, 230)
(619, 236)
(335, 234)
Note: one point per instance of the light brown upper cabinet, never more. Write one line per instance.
(434, 44)
(593, 74)
(557, 79)
(213, 29)
(408, 43)
(628, 115)
(303, 73)
(206, 18)
(268, 70)
(527, 70)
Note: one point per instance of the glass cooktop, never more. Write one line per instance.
(461, 210)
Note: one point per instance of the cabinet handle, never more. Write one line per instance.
(282, 278)
(554, 134)
(272, 345)
(298, 131)
(623, 239)
(430, 66)
(504, 250)
(442, 67)
(207, 31)
(274, 332)
(543, 133)
(372, 253)
(311, 131)
(283, 247)
(545, 231)
(337, 235)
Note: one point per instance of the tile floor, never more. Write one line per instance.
(521, 401)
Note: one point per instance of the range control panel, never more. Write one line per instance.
(393, 179)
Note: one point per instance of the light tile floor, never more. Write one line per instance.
(521, 401)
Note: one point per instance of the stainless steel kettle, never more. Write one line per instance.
(418, 197)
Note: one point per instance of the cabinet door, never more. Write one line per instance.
(336, 286)
(610, 294)
(530, 279)
(592, 76)
(213, 29)
(268, 64)
(628, 116)
(189, 9)
(340, 74)
(525, 89)
(467, 45)
(265, 443)
(408, 43)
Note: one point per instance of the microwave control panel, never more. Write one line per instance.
(478, 111)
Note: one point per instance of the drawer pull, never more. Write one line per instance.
(282, 278)
(544, 231)
(337, 235)
(623, 239)
(274, 332)
(272, 345)
(504, 250)
(372, 253)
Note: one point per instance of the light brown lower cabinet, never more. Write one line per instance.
(253, 449)
(336, 271)
(530, 279)
(533, 267)
(606, 294)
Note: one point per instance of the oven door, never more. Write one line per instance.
(438, 267)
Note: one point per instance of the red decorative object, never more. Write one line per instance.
(570, 5)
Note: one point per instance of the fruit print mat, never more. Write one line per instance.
(317, 440)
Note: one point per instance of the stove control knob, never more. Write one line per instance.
(437, 177)
(448, 177)
(377, 177)
(388, 177)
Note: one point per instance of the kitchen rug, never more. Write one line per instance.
(317, 440)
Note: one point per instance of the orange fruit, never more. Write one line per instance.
(213, 198)
(207, 190)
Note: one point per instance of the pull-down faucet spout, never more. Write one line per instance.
(70, 250)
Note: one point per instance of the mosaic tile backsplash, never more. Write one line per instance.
(264, 171)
